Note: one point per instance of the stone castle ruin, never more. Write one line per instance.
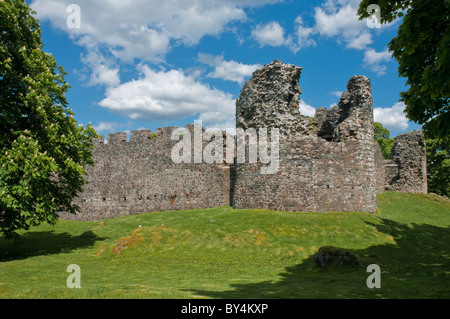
(326, 163)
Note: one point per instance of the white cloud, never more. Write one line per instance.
(123, 31)
(342, 22)
(106, 126)
(306, 109)
(215, 120)
(271, 34)
(335, 18)
(102, 75)
(392, 118)
(228, 70)
(334, 5)
(359, 42)
(102, 70)
(337, 94)
(144, 29)
(169, 96)
(338, 18)
(374, 60)
(303, 36)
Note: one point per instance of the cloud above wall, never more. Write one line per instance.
(115, 33)
(273, 34)
(270, 34)
(306, 109)
(168, 96)
(302, 37)
(144, 29)
(334, 19)
(228, 70)
(342, 22)
(106, 126)
(375, 60)
(392, 118)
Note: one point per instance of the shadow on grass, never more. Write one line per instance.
(45, 243)
(415, 265)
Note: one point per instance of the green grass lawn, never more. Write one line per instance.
(228, 253)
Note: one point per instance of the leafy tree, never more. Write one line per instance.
(438, 166)
(382, 138)
(386, 145)
(422, 50)
(43, 151)
(380, 131)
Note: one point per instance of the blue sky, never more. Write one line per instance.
(147, 64)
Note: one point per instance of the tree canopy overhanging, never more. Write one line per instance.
(422, 50)
(381, 135)
(43, 150)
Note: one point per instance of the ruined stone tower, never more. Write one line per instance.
(407, 169)
(326, 163)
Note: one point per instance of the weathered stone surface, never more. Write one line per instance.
(139, 176)
(379, 169)
(271, 99)
(327, 164)
(390, 173)
(409, 154)
(332, 256)
(328, 169)
(352, 118)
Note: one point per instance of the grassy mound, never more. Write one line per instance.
(228, 253)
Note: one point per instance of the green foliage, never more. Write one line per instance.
(438, 166)
(380, 131)
(386, 145)
(382, 138)
(313, 123)
(43, 151)
(227, 253)
(422, 50)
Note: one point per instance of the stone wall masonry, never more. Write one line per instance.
(379, 169)
(390, 173)
(330, 168)
(271, 99)
(139, 176)
(314, 175)
(409, 154)
(329, 163)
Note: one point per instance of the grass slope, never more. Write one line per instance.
(227, 253)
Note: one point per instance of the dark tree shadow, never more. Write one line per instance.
(415, 265)
(45, 243)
